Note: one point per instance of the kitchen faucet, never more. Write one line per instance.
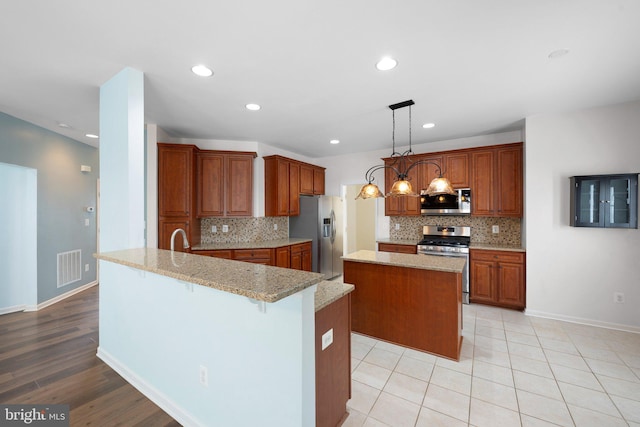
(184, 237)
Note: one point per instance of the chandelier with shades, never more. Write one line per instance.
(401, 166)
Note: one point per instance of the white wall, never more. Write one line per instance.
(19, 243)
(154, 134)
(572, 273)
(157, 332)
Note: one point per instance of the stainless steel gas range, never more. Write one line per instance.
(448, 241)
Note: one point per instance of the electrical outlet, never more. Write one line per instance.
(204, 376)
(225, 228)
(327, 338)
(86, 267)
(495, 229)
(618, 297)
(397, 226)
(275, 227)
(214, 229)
(86, 222)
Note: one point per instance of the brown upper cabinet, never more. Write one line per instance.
(496, 188)
(402, 205)
(175, 179)
(493, 173)
(456, 169)
(284, 180)
(225, 183)
(311, 179)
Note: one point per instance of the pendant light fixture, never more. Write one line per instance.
(401, 166)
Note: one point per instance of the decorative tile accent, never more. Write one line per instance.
(244, 229)
(411, 228)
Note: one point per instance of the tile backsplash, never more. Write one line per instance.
(410, 228)
(244, 229)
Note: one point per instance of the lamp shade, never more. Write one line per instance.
(402, 187)
(440, 185)
(369, 191)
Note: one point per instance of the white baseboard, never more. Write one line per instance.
(13, 309)
(583, 321)
(149, 391)
(59, 297)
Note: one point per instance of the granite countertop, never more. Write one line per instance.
(399, 241)
(266, 244)
(425, 262)
(329, 291)
(497, 247)
(491, 246)
(260, 282)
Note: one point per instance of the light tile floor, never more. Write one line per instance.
(515, 370)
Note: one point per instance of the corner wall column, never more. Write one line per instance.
(122, 162)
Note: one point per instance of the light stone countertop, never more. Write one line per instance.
(425, 262)
(266, 244)
(497, 247)
(399, 242)
(260, 282)
(329, 291)
(491, 246)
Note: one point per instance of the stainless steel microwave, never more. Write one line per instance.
(446, 204)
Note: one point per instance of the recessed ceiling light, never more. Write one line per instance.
(202, 71)
(386, 64)
(91, 135)
(252, 107)
(558, 53)
(428, 125)
(334, 141)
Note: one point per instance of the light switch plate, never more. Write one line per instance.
(495, 229)
(225, 228)
(327, 338)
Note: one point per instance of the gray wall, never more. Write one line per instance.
(63, 193)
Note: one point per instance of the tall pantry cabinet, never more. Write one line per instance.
(176, 201)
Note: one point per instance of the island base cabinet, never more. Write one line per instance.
(416, 308)
(333, 364)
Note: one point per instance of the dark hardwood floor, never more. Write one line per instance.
(49, 357)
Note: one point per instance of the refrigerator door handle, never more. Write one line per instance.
(333, 226)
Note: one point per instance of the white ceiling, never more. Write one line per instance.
(472, 67)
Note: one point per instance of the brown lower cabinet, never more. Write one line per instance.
(296, 256)
(301, 256)
(397, 248)
(497, 278)
(333, 364)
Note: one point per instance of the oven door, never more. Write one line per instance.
(465, 270)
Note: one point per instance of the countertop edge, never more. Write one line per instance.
(270, 297)
(421, 262)
(265, 244)
(329, 292)
(487, 246)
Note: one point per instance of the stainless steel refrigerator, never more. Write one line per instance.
(320, 219)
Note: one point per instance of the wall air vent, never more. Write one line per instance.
(69, 267)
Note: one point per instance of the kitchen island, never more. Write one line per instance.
(410, 300)
(213, 342)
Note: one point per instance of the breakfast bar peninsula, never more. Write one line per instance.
(213, 342)
(406, 299)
